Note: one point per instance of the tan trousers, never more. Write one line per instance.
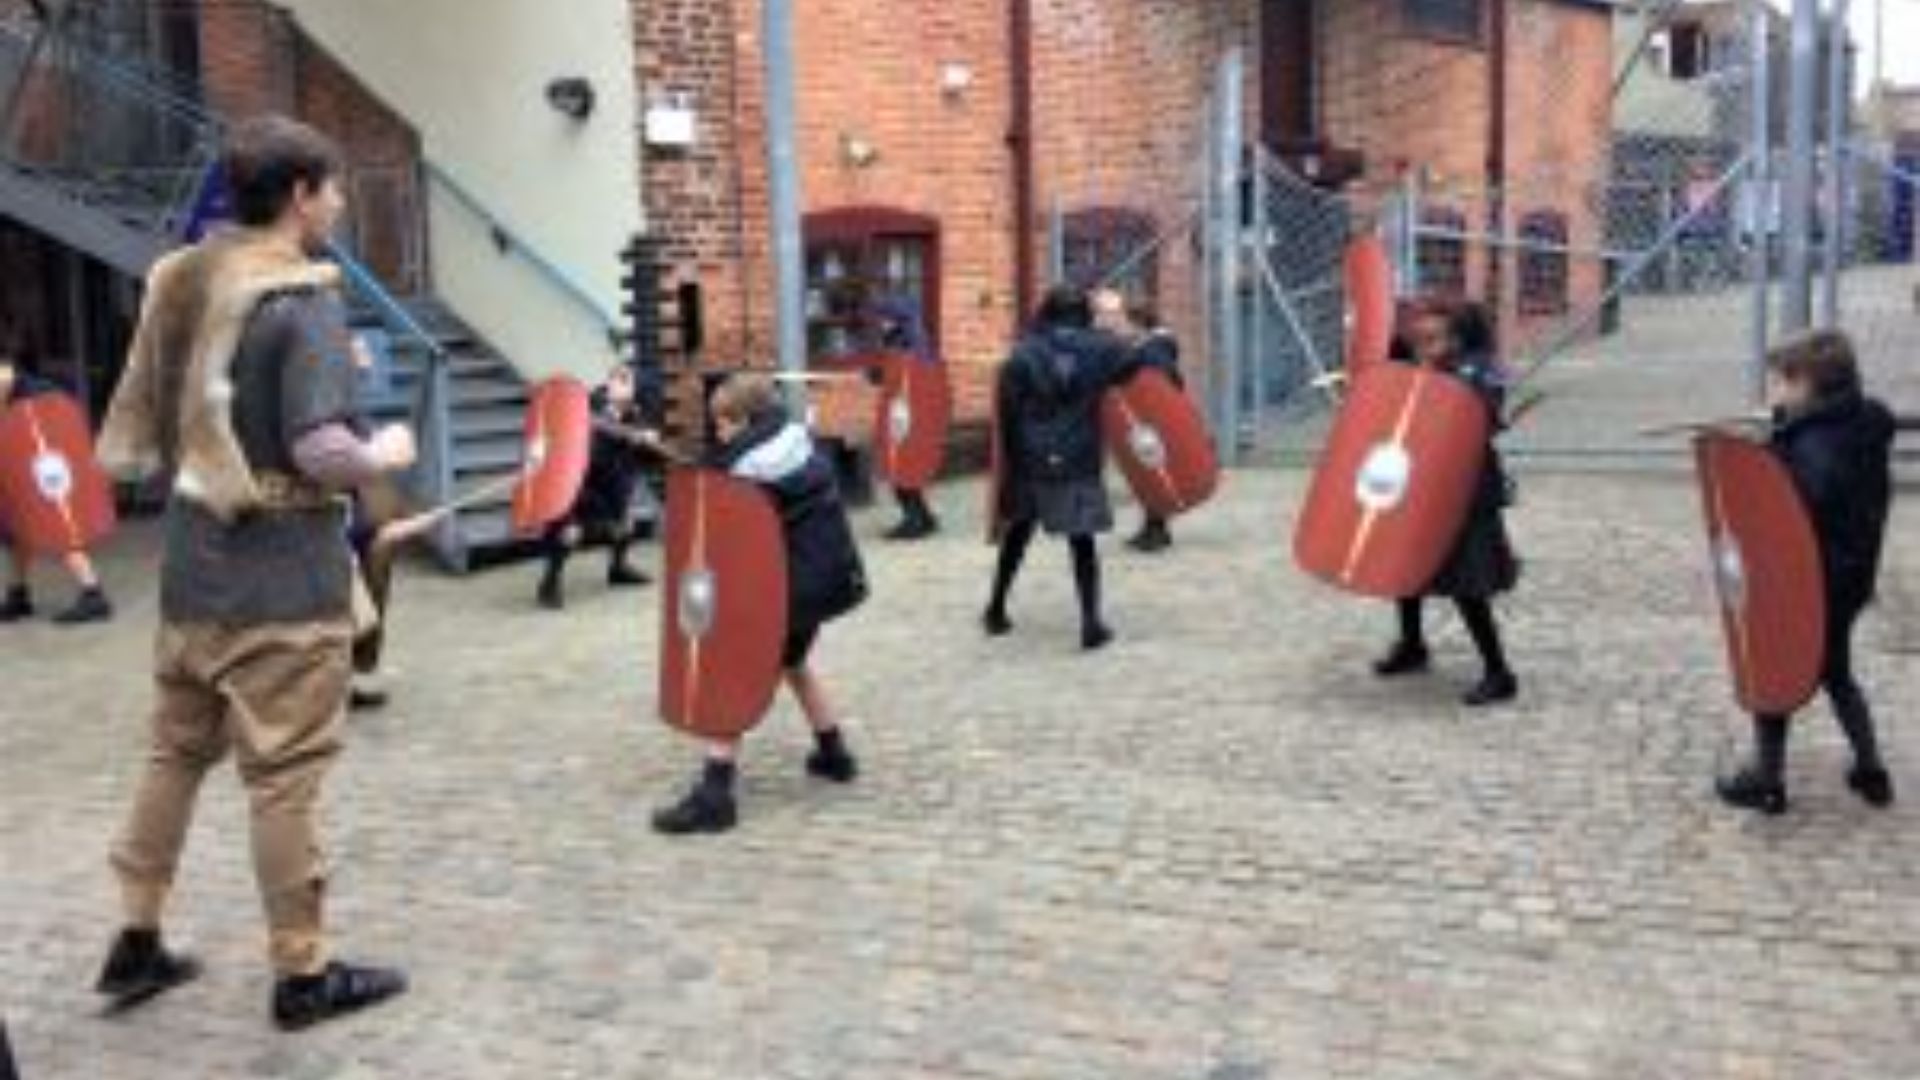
(276, 695)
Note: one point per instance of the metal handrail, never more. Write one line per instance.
(511, 242)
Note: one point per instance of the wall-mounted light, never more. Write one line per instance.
(572, 97)
(857, 152)
(955, 80)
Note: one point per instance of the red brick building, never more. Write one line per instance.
(915, 115)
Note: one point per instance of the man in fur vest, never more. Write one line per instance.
(241, 385)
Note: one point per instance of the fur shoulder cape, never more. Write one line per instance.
(173, 408)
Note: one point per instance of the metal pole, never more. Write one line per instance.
(1257, 310)
(1839, 113)
(1760, 205)
(1228, 340)
(1803, 103)
(783, 181)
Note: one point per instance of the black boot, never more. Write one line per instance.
(1153, 537)
(91, 606)
(707, 808)
(140, 968)
(831, 760)
(996, 622)
(1762, 785)
(1873, 784)
(917, 521)
(17, 606)
(302, 1001)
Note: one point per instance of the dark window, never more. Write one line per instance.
(1543, 263)
(1442, 253)
(1688, 54)
(859, 257)
(1455, 20)
(1111, 247)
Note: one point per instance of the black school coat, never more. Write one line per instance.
(1840, 453)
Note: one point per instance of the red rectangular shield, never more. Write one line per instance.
(558, 446)
(1766, 572)
(1370, 303)
(1394, 482)
(54, 497)
(910, 425)
(1158, 438)
(725, 616)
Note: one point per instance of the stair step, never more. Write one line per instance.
(469, 395)
(495, 423)
(496, 459)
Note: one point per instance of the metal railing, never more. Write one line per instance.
(511, 243)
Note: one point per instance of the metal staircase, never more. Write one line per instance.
(110, 158)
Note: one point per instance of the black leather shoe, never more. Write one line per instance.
(1404, 659)
(550, 596)
(1497, 688)
(1096, 637)
(624, 575)
(840, 768)
(366, 699)
(913, 528)
(1151, 540)
(305, 1000)
(703, 810)
(140, 968)
(91, 606)
(17, 606)
(1874, 786)
(996, 623)
(1748, 790)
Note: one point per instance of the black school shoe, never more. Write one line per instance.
(703, 810)
(140, 968)
(1095, 637)
(913, 528)
(836, 765)
(91, 606)
(301, 1001)
(18, 605)
(1151, 539)
(624, 575)
(1497, 688)
(550, 594)
(1748, 790)
(1405, 658)
(1874, 786)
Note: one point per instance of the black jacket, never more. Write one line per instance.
(1840, 455)
(614, 467)
(1049, 402)
(825, 577)
(28, 385)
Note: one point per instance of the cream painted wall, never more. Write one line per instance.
(471, 76)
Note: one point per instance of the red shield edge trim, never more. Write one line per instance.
(1160, 441)
(556, 448)
(911, 421)
(1370, 303)
(1394, 483)
(724, 615)
(54, 497)
(1766, 573)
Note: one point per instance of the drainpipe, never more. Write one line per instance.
(1020, 142)
(1497, 14)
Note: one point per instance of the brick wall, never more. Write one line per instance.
(1120, 92)
(939, 154)
(254, 60)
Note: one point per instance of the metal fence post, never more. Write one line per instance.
(783, 181)
(1228, 351)
(1761, 202)
(1802, 108)
(1839, 113)
(1256, 308)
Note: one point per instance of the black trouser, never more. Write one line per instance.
(1086, 570)
(1850, 706)
(1476, 612)
(562, 538)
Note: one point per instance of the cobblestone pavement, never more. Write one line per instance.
(1217, 852)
